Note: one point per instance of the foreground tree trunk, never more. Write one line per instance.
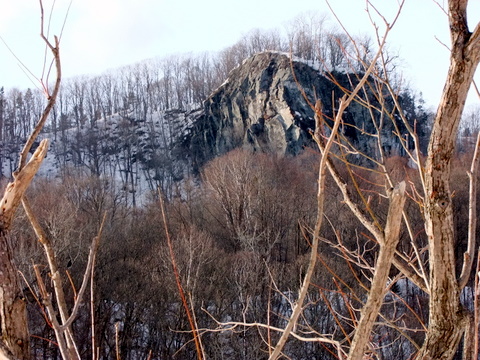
(13, 315)
(14, 343)
(446, 322)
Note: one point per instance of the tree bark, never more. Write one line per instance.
(13, 315)
(446, 322)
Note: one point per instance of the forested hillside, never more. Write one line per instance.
(157, 122)
(203, 178)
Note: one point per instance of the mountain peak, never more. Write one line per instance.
(264, 105)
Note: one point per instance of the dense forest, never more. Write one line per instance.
(239, 241)
(239, 229)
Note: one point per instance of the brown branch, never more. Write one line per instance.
(46, 300)
(382, 268)
(51, 102)
(232, 325)
(401, 265)
(472, 218)
(324, 164)
(92, 311)
(64, 333)
(357, 212)
(52, 97)
(87, 274)
(476, 307)
(325, 149)
(446, 322)
(178, 281)
(16, 189)
(13, 317)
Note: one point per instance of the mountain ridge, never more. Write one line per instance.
(264, 105)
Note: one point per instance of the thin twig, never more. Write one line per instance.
(87, 274)
(325, 149)
(472, 218)
(179, 282)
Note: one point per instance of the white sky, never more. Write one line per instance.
(104, 34)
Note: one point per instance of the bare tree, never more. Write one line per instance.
(13, 316)
(434, 268)
(448, 320)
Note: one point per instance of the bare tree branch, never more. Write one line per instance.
(51, 102)
(15, 190)
(472, 218)
(86, 275)
(13, 319)
(297, 309)
(382, 269)
(232, 325)
(446, 321)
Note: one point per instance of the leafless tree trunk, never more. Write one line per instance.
(446, 322)
(63, 327)
(13, 316)
(447, 319)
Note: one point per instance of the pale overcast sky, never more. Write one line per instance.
(104, 34)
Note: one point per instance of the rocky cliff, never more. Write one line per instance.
(266, 105)
(260, 106)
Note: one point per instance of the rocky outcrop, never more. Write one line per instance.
(265, 104)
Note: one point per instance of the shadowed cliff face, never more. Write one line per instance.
(260, 106)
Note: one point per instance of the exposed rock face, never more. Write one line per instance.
(260, 106)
